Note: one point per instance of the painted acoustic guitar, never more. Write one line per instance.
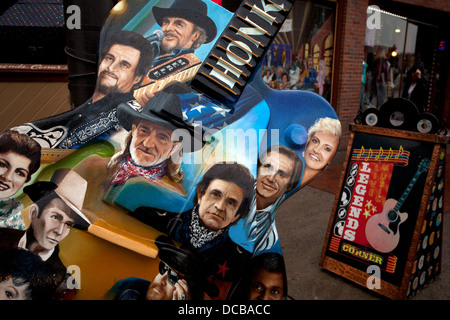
(382, 230)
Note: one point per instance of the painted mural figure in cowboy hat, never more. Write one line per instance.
(186, 26)
(155, 142)
(179, 277)
(56, 208)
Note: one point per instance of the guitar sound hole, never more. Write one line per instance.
(392, 215)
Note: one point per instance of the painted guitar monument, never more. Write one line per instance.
(178, 149)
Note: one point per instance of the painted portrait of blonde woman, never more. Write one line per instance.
(322, 144)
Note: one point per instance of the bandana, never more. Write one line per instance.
(128, 169)
(201, 235)
(10, 214)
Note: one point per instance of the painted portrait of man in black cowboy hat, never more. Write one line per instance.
(156, 138)
(179, 277)
(186, 26)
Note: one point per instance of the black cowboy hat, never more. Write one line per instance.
(182, 260)
(195, 11)
(164, 109)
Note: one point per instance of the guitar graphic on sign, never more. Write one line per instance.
(382, 230)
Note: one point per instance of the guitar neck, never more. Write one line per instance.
(408, 190)
(240, 48)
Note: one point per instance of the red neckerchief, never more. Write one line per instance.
(128, 169)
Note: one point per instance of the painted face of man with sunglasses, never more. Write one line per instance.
(168, 285)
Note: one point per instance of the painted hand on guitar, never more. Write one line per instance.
(144, 98)
(179, 69)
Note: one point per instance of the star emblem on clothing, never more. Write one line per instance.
(194, 122)
(224, 124)
(219, 110)
(223, 269)
(197, 107)
(199, 96)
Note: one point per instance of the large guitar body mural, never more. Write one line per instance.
(175, 168)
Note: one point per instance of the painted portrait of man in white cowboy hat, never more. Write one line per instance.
(57, 208)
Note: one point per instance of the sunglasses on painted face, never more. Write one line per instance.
(172, 276)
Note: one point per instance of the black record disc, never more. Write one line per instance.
(371, 117)
(427, 123)
(399, 113)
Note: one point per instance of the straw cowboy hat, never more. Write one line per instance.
(69, 186)
(195, 11)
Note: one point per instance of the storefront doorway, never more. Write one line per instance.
(403, 57)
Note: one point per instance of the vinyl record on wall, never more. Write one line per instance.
(371, 117)
(399, 113)
(427, 123)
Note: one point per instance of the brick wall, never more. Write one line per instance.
(348, 67)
